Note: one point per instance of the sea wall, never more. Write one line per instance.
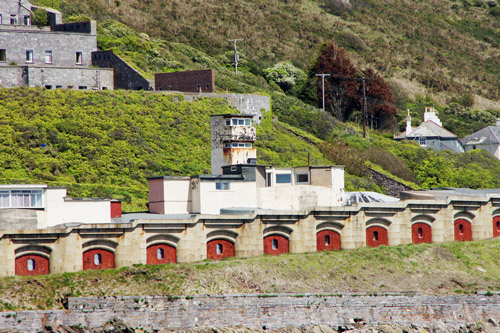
(262, 311)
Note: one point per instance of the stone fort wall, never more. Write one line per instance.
(262, 311)
(198, 237)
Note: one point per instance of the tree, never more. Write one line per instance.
(285, 74)
(380, 102)
(340, 88)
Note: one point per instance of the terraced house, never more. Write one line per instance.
(53, 55)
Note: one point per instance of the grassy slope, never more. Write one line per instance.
(431, 269)
(447, 46)
(107, 143)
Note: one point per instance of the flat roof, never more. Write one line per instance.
(227, 115)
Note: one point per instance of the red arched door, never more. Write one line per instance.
(32, 264)
(327, 240)
(496, 226)
(376, 236)
(276, 244)
(421, 233)
(218, 249)
(463, 230)
(98, 259)
(161, 254)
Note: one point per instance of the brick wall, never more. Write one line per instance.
(187, 81)
(281, 245)
(376, 236)
(463, 230)
(107, 259)
(327, 244)
(39, 265)
(226, 246)
(160, 254)
(259, 311)
(496, 226)
(421, 233)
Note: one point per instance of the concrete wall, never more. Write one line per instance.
(211, 200)
(220, 133)
(190, 236)
(170, 195)
(186, 81)
(247, 104)
(125, 77)
(276, 311)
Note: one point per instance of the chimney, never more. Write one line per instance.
(408, 123)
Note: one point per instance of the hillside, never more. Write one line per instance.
(431, 269)
(448, 49)
(107, 143)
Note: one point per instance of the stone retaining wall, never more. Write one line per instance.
(262, 311)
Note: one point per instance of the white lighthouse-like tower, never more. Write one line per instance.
(232, 139)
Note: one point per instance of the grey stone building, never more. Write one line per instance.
(431, 134)
(487, 138)
(55, 56)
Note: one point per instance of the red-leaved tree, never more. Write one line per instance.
(380, 103)
(340, 87)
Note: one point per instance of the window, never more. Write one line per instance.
(48, 86)
(1, 19)
(228, 122)
(13, 19)
(160, 254)
(31, 265)
(422, 141)
(27, 20)
(327, 240)
(461, 229)
(4, 199)
(48, 57)
(29, 56)
(302, 178)
(269, 179)
(240, 122)
(237, 145)
(275, 244)
(375, 235)
(284, 178)
(82, 87)
(498, 225)
(97, 259)
(58, 87)
(223, 186)
(220, 248)
(26, 198)
(79, 58)
(3, 55)
(419, 232)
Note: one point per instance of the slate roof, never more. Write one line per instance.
(427, 129)
(487, 135)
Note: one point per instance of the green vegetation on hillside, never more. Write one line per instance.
(458, 267)
(107, 143)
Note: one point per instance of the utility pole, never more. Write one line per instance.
(323, 86)
(363, 79)
(236, 56)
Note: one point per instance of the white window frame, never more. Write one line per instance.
(238, 145)
(48, 57)
(422, 141)
(239, 122)
(21, 199)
